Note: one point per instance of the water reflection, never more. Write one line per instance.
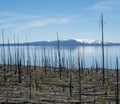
(90, 54)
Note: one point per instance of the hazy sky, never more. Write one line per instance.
(72, 19)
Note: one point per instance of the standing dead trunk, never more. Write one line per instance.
(117, 84)
(19, 72)
(103, 69)
(79, 76)
(59, 57)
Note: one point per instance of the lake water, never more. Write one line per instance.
(40, 55)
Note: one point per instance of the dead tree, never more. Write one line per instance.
(59, 57)
(19, 72)
(4, 58)
(103, 67)
(79, 76)
(117, 84)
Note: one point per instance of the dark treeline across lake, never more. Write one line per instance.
(48, 55)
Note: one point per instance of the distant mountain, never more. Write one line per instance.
(70, 42)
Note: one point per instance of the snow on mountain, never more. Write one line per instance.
(84, 41)
(89, 41)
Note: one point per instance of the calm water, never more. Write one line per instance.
(69, 55)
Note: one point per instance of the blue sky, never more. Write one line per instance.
(72, 19)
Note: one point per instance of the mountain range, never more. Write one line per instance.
(70, 42)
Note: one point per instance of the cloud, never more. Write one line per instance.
(34, 23)
(11, 15)
(37, 30)
(106, 5)
(18, 21)
(2, 21)
(8, 26)
(38, 23)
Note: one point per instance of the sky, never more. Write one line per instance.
(40, 20)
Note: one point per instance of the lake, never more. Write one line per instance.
(41, 56)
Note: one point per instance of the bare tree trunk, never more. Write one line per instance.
(59, 57)
(4, 58)
(70, 85)
(103, 69)
(117, 80)
(19, 72)
(79, 71)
